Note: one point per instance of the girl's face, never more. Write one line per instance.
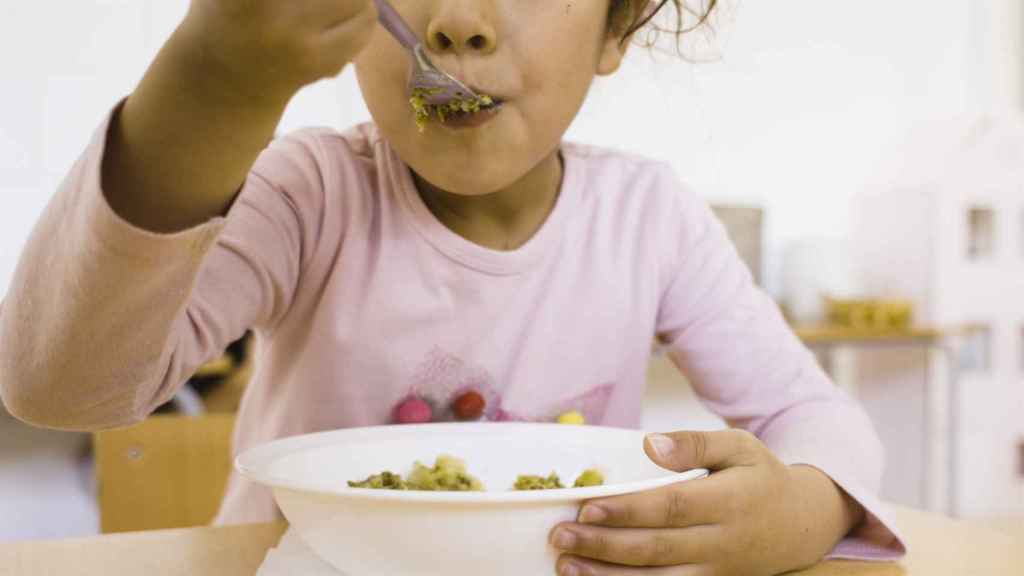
(538, 57)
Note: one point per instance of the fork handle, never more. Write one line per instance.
(393, 22)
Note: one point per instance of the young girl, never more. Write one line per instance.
(479, 269)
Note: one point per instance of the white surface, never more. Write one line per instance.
(45, 485)
(498, 532)
(292, 556)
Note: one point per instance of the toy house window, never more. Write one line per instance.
(981, 233)
(976, 353)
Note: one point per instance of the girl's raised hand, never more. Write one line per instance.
(274, 47)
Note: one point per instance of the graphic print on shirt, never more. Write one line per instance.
(445, 388)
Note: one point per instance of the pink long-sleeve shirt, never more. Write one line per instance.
(360, 298)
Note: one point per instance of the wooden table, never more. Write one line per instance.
(939, 547)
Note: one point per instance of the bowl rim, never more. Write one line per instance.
(254, 462)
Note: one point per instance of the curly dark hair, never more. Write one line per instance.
(626, 17)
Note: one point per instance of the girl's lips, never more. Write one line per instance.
(472, 120)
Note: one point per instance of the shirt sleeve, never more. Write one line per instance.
(730, 340)
(104, 321)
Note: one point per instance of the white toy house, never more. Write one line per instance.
(948, 233)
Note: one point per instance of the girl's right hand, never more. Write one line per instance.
(272, 48)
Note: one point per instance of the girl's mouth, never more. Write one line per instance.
(458, 113)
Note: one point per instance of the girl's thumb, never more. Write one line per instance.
(682, 451)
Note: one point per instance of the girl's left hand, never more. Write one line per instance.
(752, 516)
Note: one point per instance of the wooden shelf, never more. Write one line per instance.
(826, 334)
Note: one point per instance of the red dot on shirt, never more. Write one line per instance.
(469, 405)
(413, 410)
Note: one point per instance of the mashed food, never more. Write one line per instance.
(590, 477)
(425, 111)
(448, 474)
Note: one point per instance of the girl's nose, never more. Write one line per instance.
(462, 27)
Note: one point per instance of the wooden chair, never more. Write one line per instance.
(170, 471)
(167, 472)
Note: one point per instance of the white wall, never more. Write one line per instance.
(995, 69)
(64, 64)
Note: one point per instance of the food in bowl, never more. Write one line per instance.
(383, 481)
(447, 475)
(528, 482)
(592, 477)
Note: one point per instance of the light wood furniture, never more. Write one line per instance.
(220, 551)
(1011, 526)
(939, 546)
(827, 334)
(226, 398)
(167, 472)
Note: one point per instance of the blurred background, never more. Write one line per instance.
(868, 158)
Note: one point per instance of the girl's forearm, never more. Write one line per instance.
(185, 140)
(828, 513)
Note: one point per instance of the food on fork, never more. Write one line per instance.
(424, 110)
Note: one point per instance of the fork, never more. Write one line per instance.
(437, 87)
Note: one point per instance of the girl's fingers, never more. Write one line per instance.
(691, 503)
(639, 546)
(717, 450)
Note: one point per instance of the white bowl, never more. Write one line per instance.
(409, 533)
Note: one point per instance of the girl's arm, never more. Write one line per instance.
(104, 320)
(130, 280)
(180, 147)
(730, 340)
